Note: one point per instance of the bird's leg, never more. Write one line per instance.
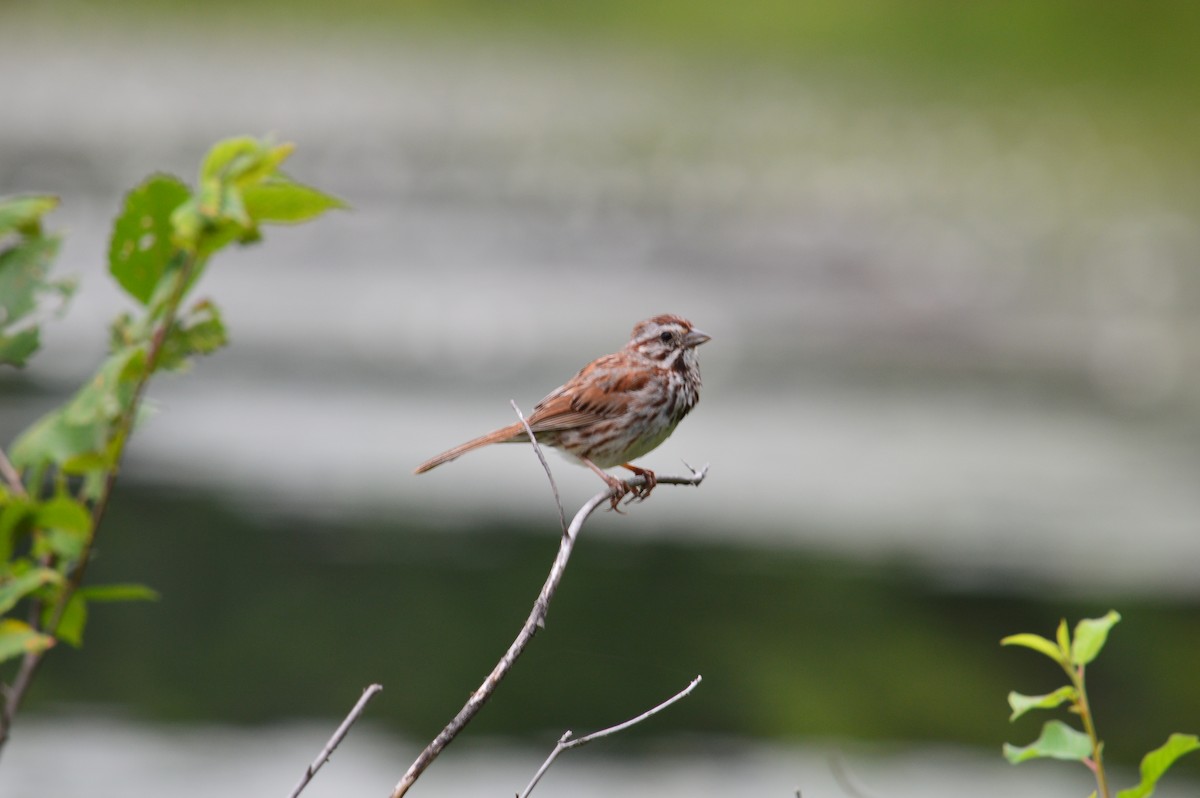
(617, 487)
(643, 491)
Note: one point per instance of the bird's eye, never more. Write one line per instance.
(665, 338)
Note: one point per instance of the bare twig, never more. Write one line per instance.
(335, 740)
(565, 743)
(562, 516)
(536, 619)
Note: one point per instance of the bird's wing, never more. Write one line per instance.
(601, 391)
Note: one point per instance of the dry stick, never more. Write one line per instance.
(535, 620)
(335, 740)
(565, 743)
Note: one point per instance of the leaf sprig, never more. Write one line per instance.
(1058, 740)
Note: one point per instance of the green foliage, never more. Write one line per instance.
(58, 474)
(1057, 741)
(1060, 741)
(25, 256)
(1156, 763)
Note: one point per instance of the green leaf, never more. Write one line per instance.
(18, 638)
(14, 589)
(198, 332)
(1023, 703)
(107, 395)
(1057, 741)
(281, 200)
(16, 350)
(74, 618)
(85, 424)
(1063, 636)
(142, 247)
(23, 214)
(124, 591)
(23, 270)
(230, 158)
(1036, 642)
(24, 263)
(243, 160)
(1090, 636)
(15, 519)
(52, 439)
(1158, 761)
(67, 524)
(63, 512)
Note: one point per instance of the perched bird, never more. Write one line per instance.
(617, 408)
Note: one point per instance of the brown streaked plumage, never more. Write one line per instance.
(618, 407)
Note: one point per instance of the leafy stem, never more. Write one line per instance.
(124, 427)
(59, 476)
(1060, 741)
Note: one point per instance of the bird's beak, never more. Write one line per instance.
(695, 338)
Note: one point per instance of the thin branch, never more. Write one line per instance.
(845, 780)
(335, 740)
(536, 619)
(565, 743)
(11, 475)
(537, 448)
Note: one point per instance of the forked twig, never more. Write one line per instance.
(565, 743)
(335, 740)
(536, 620)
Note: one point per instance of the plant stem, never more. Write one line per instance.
(1089, 726)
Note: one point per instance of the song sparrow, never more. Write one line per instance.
(617, 408)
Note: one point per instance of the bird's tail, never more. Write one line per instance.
(502, 435)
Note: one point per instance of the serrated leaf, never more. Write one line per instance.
(119, 592)
(142, 244)
(1090, 636)
(1057, 741)
(14, 589)
(22, 214)
(1036, 642)
(283, 201)
(1158, 761)
(18, 638)
(16, 349)
(1023, 703)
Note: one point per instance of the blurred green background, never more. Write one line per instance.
(947, 252)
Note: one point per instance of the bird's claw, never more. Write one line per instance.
(641, 492)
